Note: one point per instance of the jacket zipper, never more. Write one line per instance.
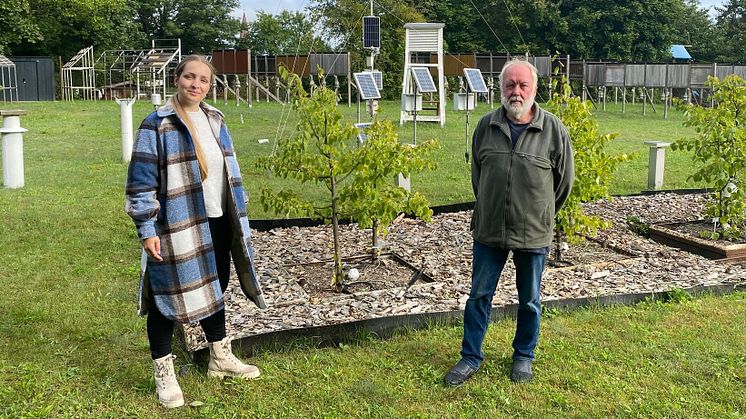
(510, 182)
(504, 239)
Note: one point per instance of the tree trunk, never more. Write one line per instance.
(557, 245)
(337, 280)
(375, 252)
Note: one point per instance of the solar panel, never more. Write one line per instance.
(475, 80)
(377, 76)
(362, 127)
(424, 80)
(371, 32)
(366, 85)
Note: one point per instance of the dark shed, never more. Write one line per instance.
(36, 78)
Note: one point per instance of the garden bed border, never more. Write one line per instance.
(707, 248)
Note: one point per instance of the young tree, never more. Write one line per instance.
(323, 152)
(594, 167)
(720, 149)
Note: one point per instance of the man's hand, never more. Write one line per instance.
(152, 246)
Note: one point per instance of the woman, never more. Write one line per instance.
(185, 196)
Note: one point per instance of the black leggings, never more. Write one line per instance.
(161, 329)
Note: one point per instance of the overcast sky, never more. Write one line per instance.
(277, 6)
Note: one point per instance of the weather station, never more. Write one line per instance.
(372, 43)
(466, 101)
(369, 82)
(412, 102)
(367, 89)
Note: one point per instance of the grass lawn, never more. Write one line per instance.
(71, 344)
(88, 134)
(651, 360)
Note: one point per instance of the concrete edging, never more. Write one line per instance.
(269, 224)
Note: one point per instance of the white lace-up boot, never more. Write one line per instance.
(224, 364)
(169, 392)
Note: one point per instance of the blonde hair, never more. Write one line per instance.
(201, 159)
(194, 57)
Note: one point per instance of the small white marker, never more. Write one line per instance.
(353, 274)
(263, 140)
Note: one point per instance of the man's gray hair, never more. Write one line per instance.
(518, 61)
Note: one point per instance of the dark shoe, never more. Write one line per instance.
(521, 371)
(459, 373)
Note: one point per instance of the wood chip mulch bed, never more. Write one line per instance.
(617, 261)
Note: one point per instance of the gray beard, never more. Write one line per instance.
(516, 112)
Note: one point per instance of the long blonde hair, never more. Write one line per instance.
(201, 159)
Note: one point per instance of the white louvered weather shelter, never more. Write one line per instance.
(425, 38)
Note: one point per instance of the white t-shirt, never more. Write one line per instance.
(215, 186)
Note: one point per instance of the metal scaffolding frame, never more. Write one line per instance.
(152, 69)
(79, 76)
(8, 79)
(115, 68)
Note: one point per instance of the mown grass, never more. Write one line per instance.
(651, 360)
(71, 344)
(89, 133)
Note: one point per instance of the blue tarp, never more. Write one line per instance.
(678, 52)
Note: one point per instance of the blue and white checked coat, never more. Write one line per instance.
(164, 198)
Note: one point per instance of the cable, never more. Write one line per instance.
(285, 117)
(488, 25)
(402, 21)
(516, 26)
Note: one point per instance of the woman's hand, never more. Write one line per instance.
(152, 246)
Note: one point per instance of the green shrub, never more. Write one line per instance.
(594, 167)
(720, 151)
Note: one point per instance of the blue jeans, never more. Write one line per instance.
(487, 266)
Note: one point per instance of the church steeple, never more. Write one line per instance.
(244, 27)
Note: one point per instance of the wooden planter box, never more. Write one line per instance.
(662, 233)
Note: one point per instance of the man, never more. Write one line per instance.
(522, 173)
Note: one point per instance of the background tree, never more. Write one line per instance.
(284, 33)
(731, 31)
(202, 25)
(694, 28)
(18, 26)
(66, 26)
(635, 30)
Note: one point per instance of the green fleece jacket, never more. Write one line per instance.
(519, 189)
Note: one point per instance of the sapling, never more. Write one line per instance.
(357, 180)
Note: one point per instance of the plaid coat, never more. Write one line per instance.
(164, 198)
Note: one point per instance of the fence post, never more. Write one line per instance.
(125, 107)
(12, 135)
(656, 163)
